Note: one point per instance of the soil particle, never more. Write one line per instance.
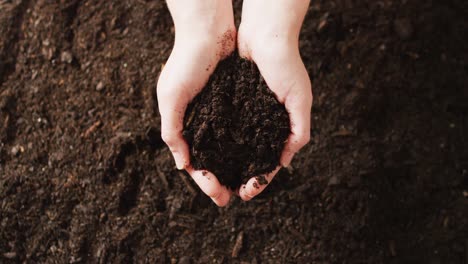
(333, 181)
(235, 127)
(403, 28)
(99, 86)
(66, 56)
(184, 260)
(15, 150)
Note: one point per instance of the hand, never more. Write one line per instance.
(205, 34)
(271, 39)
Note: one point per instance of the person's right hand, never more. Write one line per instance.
(204, 34)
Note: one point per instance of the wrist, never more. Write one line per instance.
(267, 40)
(213, 45)
(198, 29)
(201, 18)
(279, 21)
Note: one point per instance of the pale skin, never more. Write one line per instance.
(205, 34)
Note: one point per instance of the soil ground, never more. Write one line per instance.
(85, 177)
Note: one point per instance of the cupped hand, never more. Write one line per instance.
(271, 40)
(205, 34)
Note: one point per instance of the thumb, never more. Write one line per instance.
(172, 102)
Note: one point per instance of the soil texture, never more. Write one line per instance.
(235, 127)
(86, 178)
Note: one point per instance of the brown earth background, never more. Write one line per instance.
(85, 177)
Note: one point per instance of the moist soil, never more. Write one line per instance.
(235, 127)
(85, 177)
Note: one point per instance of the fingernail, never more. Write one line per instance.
(248, 195)
(244, 193)
(180, 163)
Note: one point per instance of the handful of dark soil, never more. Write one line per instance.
(235, 127)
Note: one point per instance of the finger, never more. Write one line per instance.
(172, 102)
(299, 106)
(242, 44)
(254, 187)
(210, 185)
(244, 51)
(172, 136)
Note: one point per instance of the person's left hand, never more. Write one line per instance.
(275, 49)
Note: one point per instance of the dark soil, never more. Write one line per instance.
(85, 177)
(235, 127)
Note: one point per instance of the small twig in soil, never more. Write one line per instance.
(391, 247)
(191, 216)
(9, 255)
(7, 119)
(190, 119)
(297, 234)
(91, 129)
(163, 178)
(297, 254)
(238, 245)
(342, 132)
